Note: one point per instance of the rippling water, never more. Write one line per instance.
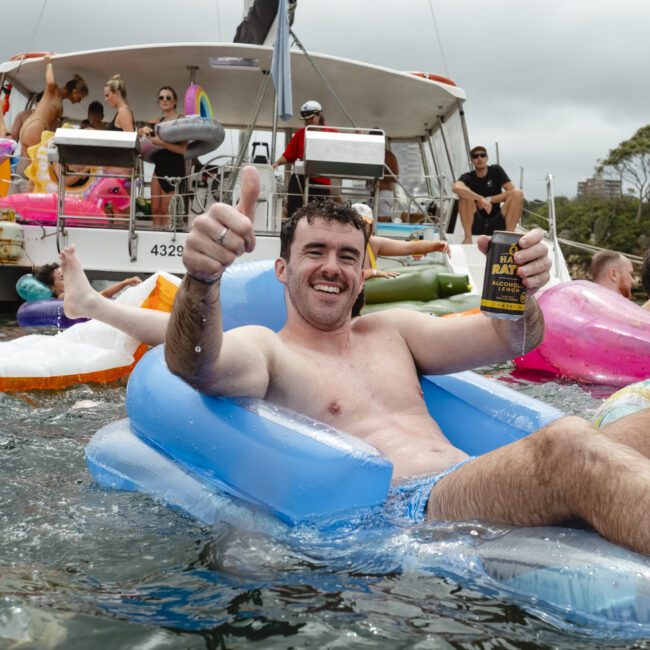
(84, 568)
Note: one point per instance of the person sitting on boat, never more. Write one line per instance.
(168, 161)
(115, 97)
(312, 114)
(487, 198)
(49, 109)
(95, 119)
(52, 276)
(613, 271)
(319, 362)
(385, 247)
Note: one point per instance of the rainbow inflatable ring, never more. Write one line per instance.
(197, 102)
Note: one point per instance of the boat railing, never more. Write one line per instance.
(552, 223)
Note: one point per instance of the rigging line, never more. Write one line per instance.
(442, 52)
(322, 76)
(219, 34)
(31, 39)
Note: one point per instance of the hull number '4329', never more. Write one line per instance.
(167, 250)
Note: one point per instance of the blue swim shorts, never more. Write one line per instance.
(409, 499)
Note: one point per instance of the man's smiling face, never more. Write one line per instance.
(324, 273)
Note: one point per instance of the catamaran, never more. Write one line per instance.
(418, 116)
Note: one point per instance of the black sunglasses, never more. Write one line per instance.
(479, 155)
(165, 98)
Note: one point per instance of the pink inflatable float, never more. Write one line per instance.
(593, 335)
(41, 208)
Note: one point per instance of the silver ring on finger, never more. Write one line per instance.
(222, 236)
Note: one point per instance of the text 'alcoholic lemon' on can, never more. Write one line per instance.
(504, 295)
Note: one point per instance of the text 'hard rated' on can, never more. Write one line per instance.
(504, 295)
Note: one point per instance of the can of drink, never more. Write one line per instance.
(504, 295)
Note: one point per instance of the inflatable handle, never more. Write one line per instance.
(292, 466)
(29, 288)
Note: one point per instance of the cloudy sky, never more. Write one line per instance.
(557, 83)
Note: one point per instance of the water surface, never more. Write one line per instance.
(82, 567)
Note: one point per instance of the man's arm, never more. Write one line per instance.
(501, 197)
(441, 345)
(196, 348)
(393, 247)
(459, 188)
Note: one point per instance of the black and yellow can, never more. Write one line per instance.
(504, 295)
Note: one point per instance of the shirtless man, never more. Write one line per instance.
(323, 363)
(613, 271)
(48, 111)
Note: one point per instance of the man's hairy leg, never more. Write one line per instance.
(512, 208)
(565, 470)
(466, 210)
(632, 430)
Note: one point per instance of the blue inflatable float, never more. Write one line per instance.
(264, 468)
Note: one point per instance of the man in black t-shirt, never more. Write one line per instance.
(481, 194)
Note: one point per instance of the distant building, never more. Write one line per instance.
(599, 187)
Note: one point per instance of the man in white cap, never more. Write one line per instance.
(312, 114)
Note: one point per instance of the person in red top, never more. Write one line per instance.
(312, 113)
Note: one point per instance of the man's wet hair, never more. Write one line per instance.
(645, 272)
(602, 260)
(44, 273)
(327, 210)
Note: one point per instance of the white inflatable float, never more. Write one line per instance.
(87, 352)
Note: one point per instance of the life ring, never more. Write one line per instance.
(45, 313)
(203, 135)
(29, 55)
(197, 102)
(434, 77)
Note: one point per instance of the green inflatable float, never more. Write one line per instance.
(427, 288)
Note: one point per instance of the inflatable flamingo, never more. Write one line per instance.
(593, 335)
(41, 208)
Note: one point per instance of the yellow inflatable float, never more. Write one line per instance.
(87, 352)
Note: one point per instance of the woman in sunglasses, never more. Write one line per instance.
(168, 161)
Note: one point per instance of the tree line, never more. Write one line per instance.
(620, 223)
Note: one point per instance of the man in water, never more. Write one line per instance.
(613, 271)
(325, 364)
(49, 110)
(487, 198)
